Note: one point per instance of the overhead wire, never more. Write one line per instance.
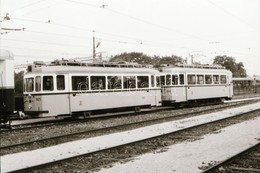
(57, 34)
(38, 42)
(81, 37)
(71, 36)
(72, 27)
(37, 10)
(89, 30)
(137, 19)
(96, 6)
(153, 24)
(27, 5)
(231, 14)
(41, 50)
(50, 22)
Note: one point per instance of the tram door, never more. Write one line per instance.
(181, 95)
(62, 96)
(79, 96)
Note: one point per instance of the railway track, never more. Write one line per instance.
(244, 161)
(71, 136)
(62, 122)
(214, 120)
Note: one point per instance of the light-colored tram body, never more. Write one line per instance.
(75, 90)
(194, 84)
(6, 84)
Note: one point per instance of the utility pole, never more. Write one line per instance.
(94, 46)
(191, 56)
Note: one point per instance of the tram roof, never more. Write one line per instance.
(92, 69)
(194, 70)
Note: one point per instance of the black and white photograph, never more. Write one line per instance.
(130, 86)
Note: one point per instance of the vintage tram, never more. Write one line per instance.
(189, 84)
(73, 88)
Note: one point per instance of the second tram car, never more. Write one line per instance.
(195, 84)
(68, 88)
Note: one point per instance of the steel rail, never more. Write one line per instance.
(75, 121)
(183, 115)
(230, 159)
(106, 128)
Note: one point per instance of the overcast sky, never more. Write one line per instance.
(55, 29)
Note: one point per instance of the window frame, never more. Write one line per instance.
(44, 83)
(72, 77)
(114, 88)
(140, 77)
(168, 79)
(58, 84)
(221, 79)
(126, 82)
(217, 82)
(174, 82)
(103, 82)
(27, 84)
(207, 82)
(158, 81)
(163, 81)
(188, 79)
(198, 79)
(182, 82)
(39, 88)
(152, 81)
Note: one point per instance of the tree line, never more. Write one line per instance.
(229, 63)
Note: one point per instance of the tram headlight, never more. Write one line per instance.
(29, 106)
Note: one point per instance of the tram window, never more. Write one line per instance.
(208, 79)
(60, 82)
(168, 79)
(162, 80)
(129, 82)
(223, 79)
(80, 83)
(142, 82)
(29, 84)
(200, 79)
(152, 81)
(174, 79)
(191, 79)
(216, 79)
(158, 81)
(47, 83)
(114, 82)
(38, 83)
(181, 79)
(98, 82)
